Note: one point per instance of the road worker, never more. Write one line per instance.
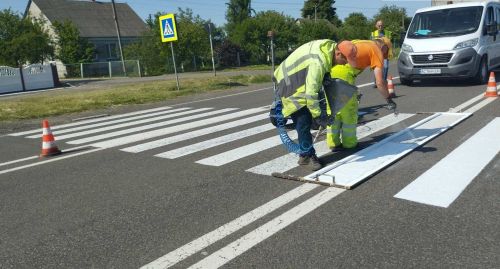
(298, 82)
(382, 33)
(341, 133)
(359, 54)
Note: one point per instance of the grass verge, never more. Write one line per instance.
(53, 103)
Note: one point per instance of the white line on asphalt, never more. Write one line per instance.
(173, 129)
(244, 151)
(190, 149)
(236, 248)
(446, 180)
(19, 160)
(480, 105)
(194, 134)
(467, 103)
(206, 240)
(149, 126)
(289, 161)
(52, 159)
(133, 123)
(107, 123)
(56, 127)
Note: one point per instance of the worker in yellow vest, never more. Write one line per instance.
(341, 134)
(379, 33)
(298, 80)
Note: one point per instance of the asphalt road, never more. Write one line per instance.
(108, 207)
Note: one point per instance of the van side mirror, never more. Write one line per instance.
(491, 29)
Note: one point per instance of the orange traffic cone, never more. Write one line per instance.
(390, 87)
(491, 90)
(49, 147)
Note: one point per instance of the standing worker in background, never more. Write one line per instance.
(379, 33)
(298, 80)
(360, 54)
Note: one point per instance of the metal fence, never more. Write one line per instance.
(100, 69)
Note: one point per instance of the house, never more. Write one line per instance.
(94, 20)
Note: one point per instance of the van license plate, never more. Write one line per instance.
(430, 71)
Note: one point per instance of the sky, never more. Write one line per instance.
(215, 9)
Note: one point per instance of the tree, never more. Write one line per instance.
(237, 12)
(355, 26)
(321, 9)
(393, 18)
(321, 29)
(22, 40)
(251, 35)
(71, 48)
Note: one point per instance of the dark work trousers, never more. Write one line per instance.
(303, 120)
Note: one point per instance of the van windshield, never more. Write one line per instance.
(445, 22)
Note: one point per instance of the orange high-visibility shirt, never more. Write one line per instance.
(368, 54)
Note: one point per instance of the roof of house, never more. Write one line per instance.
(93, 18)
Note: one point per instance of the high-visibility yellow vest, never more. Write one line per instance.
(299, 77)
(377, 34)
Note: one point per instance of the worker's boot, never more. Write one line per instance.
(315, 163)
(304, 160)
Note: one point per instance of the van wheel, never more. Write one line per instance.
(482, 72)
(407, 82)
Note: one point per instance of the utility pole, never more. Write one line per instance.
(315, 7)
(119, 37)
(211, 47)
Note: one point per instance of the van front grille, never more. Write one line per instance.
(431, 58)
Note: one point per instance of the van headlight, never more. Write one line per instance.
(406, 48)
(467, 44)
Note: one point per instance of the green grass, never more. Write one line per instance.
(55, 103)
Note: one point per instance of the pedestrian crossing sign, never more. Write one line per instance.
(168, 29)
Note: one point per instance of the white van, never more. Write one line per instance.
(452, 41)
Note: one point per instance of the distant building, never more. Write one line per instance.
(94, 20)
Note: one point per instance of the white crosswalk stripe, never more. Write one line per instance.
(241, 152)
(91, 126)
(57, 127)
(146, 127)
(174, 129)
(193, 134)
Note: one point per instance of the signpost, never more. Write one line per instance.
(169, 34)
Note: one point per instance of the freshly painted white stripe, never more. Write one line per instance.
(461, 107)
(289, 161)
(52, 159)
(173, 129)
(147, 127)
(244, 151)
(355, 168)
(179, 152)
(206, 240)
(93, 120)
(182, 137)
(238, 247)
(128, 124)
(446, 180)
(92, 126)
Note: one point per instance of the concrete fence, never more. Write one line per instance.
(33, 77)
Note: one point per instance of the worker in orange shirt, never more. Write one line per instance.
(359, 54)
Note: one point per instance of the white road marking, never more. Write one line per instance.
(206, 240)
(244, 151)
(173, 129)
(56, 127)
(467, 103)
(133, 123)
(289, 161)
(106, 123)
(355, 168)
(236, 248)
(446, 180)
(147, 127)
(194, 134)
(52, 159)
(19, 160)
